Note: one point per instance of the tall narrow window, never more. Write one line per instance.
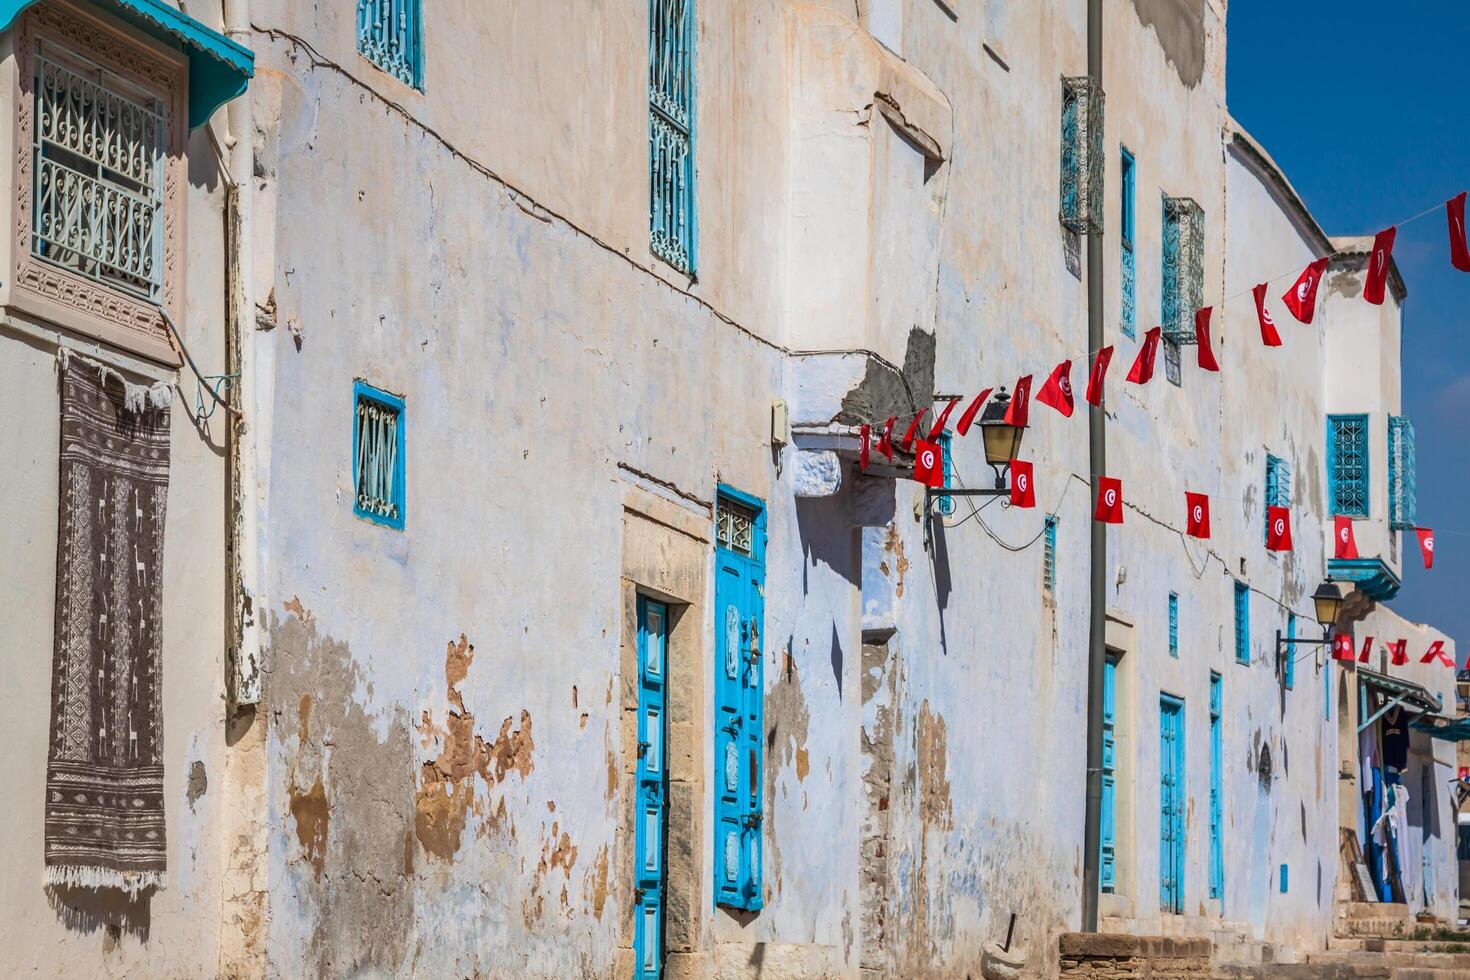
(1278, 484)
(1242, 623)
(1125, 224)
(1289, 668)
(1347, 465)
(671, 33)
(1049, 556)
(1182, 270)
(1217, 855)
(1082, 161)
(946, 504)
(1173, 624)
(390, 34)
(377, 456)
(1402, 494)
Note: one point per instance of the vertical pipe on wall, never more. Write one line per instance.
(1097, 446)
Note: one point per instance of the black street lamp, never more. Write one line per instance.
(1326, 603)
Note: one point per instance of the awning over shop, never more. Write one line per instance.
(219, 69)
(1396, 691)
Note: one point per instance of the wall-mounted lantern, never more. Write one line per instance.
(1326, 604)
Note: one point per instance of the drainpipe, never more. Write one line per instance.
(1097, 463)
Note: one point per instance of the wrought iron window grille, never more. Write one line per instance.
(1182, 289)
(390, 35)
(671, 36)
(377, 451)
(1402, 464)
(1347, 465)
(1082, 155)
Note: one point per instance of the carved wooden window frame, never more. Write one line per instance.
(51, 292)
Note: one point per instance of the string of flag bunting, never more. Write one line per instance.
(1056, 393)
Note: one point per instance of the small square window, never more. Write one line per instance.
(377, 456)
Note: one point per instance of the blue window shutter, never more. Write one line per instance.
(1283, 879)
(673, 220)
(1402, 479)
(1242, 623)
(1347, 465)
(1290, 666)
(652, 789)
(739, 700)
(1169, 270)
(1173, 624)
(390, 34)
(1129, 272)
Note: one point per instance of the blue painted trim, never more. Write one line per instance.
(1217, 854)
(1242, 624)
(1173, 781)
(1283, 879)
(360, 390)
(1371, 575)
(219, 69)
(1335, 451)
(1291, 651)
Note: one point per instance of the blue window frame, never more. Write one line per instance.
(1107, 838)
(1347, 465)
(740, 571)
(1242, 623)
(1217, 855)
(1049, 555)
(1129, 312)
(1402, 492)
(651, 807)
(1289, 668)
(1278, 487)
(1174, 624)
(390, 34)
(672, 217)
(378, 456)
(946, 504)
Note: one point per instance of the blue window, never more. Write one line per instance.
(1402, 505)
(1242, 623)
(1289, 669)
(377, 456)
(740, 546)
(1173, 624)
(390, 34)
(672, 225)
(1347, 465)
(1129, 316)
(1217, 855)
(946, 504)
(651, 806)
(1283, 879)
(1278, 485)
(1049, 555)
(1108, 871)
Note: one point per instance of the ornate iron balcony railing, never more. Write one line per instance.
(1082, 154)
(1183, 267)
(671, 132)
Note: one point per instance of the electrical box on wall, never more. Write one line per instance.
(780, 423)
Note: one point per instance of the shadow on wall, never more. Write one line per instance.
(89, 910)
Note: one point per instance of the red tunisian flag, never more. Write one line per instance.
(968, 419)
(1342, 647)
(928, 464)
(1143, 365)
(1207, 360)
(1278, 529)
(1019, 411)
(1367, 650)
(1057, 392)
(1399, 653)
(1378, 265)
(885, 441)
(943, 419)
(1095, 378)
(1198, 517)
(1109, 500)
(1344, 543)
(1269, 336)
(1023, 484)
(1459, 252)
(909, 433)
(1426, 544)
(864, 433)
(1301, 298)
(1436, 652)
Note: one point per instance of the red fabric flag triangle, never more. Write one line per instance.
(1143, 365)
(1459, 251)
(1278, 529)
(1342, 647)
(1344, 542)
(1301, 298)
(1436, 652)
(865, 432)
(1023, 486)
(885, 441)
(1019, 411)
(1207, 360)
(1426, 545)
(1269, 336)
(1378, 262)
(928, 464)
(1367, 650)
(908, 434)
(968, 419)
(1100, 363)
(1399, 653)
(1057, 392)
(1109, 500)
(1197, 518)
(943, 419)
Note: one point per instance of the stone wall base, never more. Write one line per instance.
(1119, 957)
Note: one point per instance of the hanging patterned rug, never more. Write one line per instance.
(104, 774)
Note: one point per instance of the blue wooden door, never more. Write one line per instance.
(1217, 856)
(1171, 804)
(1108, 833)
(652, 792)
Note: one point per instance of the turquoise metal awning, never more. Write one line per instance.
(1396, 691)
(219, 69)
(1371, 575)
(1457, 730)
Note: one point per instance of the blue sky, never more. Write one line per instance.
(1365, 107)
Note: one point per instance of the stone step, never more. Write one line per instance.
(1339, 944)
(1396, 959)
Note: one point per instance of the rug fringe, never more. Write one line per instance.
(87, 876)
